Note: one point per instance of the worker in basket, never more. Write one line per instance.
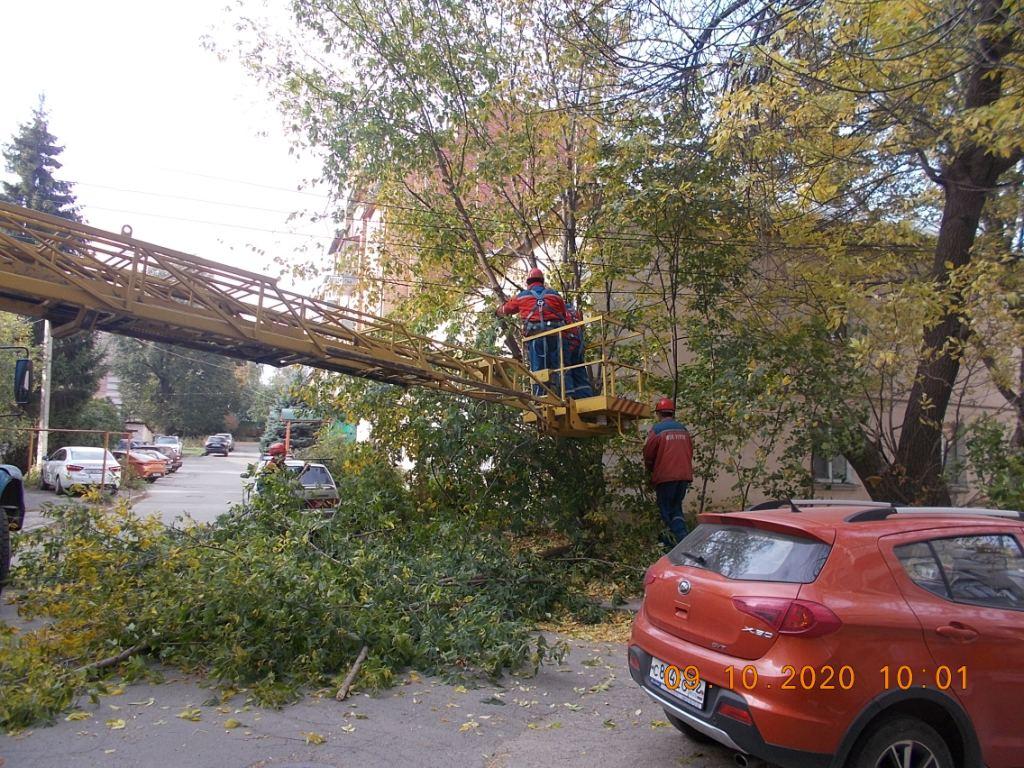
(577, 378)
(541, 309)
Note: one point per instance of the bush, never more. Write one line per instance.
(998, 466)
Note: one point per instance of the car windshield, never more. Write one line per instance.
(313, 475)
(167, 440)
(751, 554)
(89, 454)
(143, 455)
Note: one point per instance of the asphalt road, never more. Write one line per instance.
(203, 488)
(586, 713)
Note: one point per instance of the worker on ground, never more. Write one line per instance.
(541, 309)
(577, 379)
(668, 456)
(278, 454)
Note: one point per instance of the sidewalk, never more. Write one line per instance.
(36, 501)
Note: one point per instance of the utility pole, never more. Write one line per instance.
(42, 448)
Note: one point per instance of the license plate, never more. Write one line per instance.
(94, 471)
(669, 678)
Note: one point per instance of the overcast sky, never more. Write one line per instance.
(158, 132)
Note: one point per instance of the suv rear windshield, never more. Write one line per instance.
(751, 554)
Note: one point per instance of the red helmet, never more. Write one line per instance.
(276, 449)
(534, 276)
(665, 405)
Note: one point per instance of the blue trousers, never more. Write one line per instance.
(577, 382)
(670, 503)
(545, 352)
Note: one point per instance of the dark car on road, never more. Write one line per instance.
(12, 514)
(216, 444)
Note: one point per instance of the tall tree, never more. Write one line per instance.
(78, 359)
(178, 390)
(875, 133)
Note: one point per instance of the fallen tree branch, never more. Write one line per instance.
(552, 552)
(111, 661)
(351, 676)
(609, 563)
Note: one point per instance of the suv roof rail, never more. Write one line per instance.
(779, 503)
(869, 515)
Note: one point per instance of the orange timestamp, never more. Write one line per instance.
(823, 678)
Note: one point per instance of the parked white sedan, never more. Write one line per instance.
(74, 466)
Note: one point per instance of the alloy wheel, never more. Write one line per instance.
(907, 754)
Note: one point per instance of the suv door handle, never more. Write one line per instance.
(958, 632)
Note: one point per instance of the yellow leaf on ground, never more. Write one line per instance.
(231, 723)
(469, 726)
(191, 714)
(78, 715)
(115, 725)
(314, 738)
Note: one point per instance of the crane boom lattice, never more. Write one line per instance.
(80, 277)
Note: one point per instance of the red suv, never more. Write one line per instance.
(820, 633)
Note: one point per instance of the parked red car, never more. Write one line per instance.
(141, 464)
(818, 634)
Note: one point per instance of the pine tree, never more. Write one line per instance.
(31, 158)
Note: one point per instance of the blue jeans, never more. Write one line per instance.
(670, 503)
(545, 352)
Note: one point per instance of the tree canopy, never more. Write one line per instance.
(178, 390)
(814, 207)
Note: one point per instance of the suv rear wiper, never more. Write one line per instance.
(696, 558)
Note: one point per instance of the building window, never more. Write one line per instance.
(954, 458)
(829, 469)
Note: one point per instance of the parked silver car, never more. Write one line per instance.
(75, 466)
(318, 490)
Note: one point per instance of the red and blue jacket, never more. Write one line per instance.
(573, 336)
(536, 304)
(668, 453)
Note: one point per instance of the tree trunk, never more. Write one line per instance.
(915, 473)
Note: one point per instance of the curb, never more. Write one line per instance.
(132, 498)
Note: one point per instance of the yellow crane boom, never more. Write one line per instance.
(80, 277)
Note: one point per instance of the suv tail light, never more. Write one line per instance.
(790, 617)
(74, 467)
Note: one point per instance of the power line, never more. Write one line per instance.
(164, 349)
(621, 238)
(211, 223)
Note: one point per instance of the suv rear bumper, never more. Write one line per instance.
(725, 730)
